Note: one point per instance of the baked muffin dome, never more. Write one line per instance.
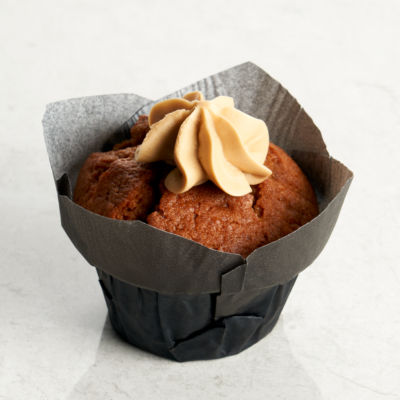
(113, 184)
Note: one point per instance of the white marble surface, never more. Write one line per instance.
(339, 334)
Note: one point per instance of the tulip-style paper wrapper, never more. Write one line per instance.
(170, 295)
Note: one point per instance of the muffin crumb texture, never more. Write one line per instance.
(114, 185)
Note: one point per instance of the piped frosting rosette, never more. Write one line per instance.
(206, 140)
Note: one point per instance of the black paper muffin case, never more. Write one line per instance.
(185, 327)
(170, 295)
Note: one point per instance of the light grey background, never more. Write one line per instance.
(339, 334)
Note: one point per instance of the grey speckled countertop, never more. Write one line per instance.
(339, 334)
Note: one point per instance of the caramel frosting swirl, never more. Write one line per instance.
(206, 140)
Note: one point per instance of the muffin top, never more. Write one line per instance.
(116, 185)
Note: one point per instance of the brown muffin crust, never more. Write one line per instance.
(211, 217)
(207, 215)
(113, 184)
(286, 200)
(138, 133)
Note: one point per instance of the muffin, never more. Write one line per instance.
(165, 294)
(114, 184)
